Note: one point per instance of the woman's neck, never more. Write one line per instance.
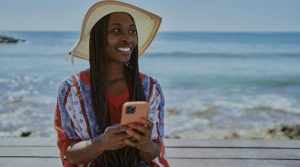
(114, 72)
(115, 78)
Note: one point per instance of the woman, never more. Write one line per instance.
(88, 111)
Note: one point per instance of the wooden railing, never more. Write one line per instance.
(32, 152)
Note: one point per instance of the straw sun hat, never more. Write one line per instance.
(146, 23)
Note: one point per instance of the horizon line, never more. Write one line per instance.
(175, 31)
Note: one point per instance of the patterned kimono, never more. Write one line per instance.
(75, 120)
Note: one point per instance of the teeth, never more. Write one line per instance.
(124, 49)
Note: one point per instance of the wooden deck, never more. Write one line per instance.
(31, 152)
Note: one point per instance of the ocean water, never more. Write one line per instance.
(214, 83)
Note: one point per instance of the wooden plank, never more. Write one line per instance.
(232, 143)
(192, 143)
(173, 153)
(233, 153)
(30, 162)
(180, 152)
(50, 152)
(35, 141)
(50, 162)
(232, 163)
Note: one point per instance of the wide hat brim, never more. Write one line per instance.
(147, 25)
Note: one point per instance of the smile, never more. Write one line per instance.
(124, 49)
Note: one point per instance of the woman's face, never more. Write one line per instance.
(121, 37)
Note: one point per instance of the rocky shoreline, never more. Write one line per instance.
(9, 40)
(285, 131)
(282, 132)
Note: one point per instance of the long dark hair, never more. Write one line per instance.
(127, 156)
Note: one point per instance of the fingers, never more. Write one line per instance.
(134, 134)
(130, 143)
(143, 126)
(140, 134)
(118, 145)
(148, 124)
(117, 132)
(116, 129)
(122, 136)
(138, 128)
(115, 141)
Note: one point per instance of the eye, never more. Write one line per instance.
(116, 30)
(133, 31)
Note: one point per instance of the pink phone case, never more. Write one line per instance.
(133, 111)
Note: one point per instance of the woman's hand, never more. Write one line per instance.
(113, 137)
(141, 139)
(140, 135)
(85, 151)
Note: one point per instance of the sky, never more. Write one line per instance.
(177, 15)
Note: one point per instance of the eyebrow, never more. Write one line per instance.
(118, 24)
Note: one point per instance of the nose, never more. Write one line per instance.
(126, 37)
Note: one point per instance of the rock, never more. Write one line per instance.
(25, 133)
(172, 111)
(177, 137)
(288, 131)
(291, 131)
(233, 135)
(207, 113)
(7, 40)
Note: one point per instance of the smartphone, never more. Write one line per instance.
(133, 111)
